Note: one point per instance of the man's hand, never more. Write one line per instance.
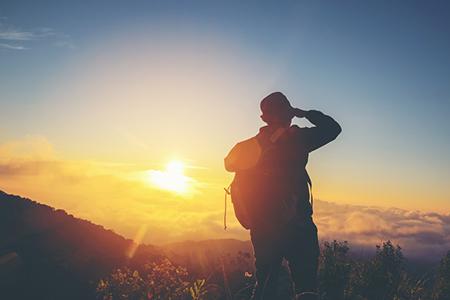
(299, 113)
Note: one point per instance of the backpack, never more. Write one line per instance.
(261, 190)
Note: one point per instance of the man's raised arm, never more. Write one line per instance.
(326, 129)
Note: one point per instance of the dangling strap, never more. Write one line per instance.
(311, 198)
(227, 192)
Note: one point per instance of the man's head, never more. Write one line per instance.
(276, 110)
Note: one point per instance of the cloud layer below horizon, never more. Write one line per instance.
(418, 233)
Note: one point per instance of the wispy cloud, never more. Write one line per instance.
(16, 35)
(9, 33)
(12, 47)
(19, 39)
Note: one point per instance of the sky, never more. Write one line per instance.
(97, 96)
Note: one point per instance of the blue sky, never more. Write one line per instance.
(381, 68)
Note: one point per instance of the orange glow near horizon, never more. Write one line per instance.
(125, 196)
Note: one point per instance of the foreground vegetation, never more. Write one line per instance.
(383, 276)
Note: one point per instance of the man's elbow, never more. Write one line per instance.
(229, 166)
(337, 130)
(334, 129)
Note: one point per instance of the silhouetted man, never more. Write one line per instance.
(271, 194)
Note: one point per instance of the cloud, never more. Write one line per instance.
(20, 38)
(419, 233)
(12, 47)
(32, 147)
(16, 35)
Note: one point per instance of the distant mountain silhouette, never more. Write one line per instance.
(46, 253)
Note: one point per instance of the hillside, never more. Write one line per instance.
(46, 253)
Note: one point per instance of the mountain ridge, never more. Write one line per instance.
(54, 253)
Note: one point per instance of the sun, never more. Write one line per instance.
(172, 178)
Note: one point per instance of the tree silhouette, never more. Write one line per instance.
(379, 278)
(441, 290)
(334, 270)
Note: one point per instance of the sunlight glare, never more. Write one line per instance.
(172, 178)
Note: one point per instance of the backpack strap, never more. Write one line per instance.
(311, 198)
